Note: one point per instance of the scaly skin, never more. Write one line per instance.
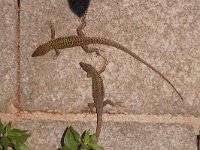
(72, 41)
(98, 93)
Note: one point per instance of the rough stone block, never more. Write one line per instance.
(164, 33)
(8, 64)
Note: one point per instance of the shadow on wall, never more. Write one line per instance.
(79, 7)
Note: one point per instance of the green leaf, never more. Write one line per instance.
(77, 136)
(93, 139)
(2, 130)
(69, 140)
(68, 137)
(8, 126)
(86, 138)
(16, 132)
(21, 147)
(95, 147)
(16, 147)
(4, 142)
(67, 148)
(90, 138)
(19, 139)
(18, 136)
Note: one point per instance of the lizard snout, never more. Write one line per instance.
(39, 52)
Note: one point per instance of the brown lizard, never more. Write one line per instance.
(98, 93)
(83, 41)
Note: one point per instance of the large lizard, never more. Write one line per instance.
(98, 93)
(83, 41)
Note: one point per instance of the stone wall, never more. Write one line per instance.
(45, 95)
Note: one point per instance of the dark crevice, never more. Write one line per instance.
(198, 142)
(17, 102)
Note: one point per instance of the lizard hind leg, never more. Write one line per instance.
(81, 27)
(50, 24)
(89, 109)
(90, 50)
(91, 106)
(108, 102)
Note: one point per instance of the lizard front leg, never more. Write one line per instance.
(104, 64)
(53, 36)
(80, 33)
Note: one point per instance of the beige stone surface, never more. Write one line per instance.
(114, 136)
(164, 33)
(8, 64)
(137, 136)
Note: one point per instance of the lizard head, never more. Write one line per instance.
(87, 68)
(39, 51)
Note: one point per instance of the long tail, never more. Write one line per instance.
(97, 40)
(99, 125)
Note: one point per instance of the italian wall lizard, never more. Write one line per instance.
(98, 93)
(83, 41)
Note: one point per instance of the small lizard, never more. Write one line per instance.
(83, 41)
(98, 93)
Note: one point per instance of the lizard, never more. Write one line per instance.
(98, 93)
(81, 40)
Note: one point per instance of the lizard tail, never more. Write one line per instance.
(99, 125)
(97, 40)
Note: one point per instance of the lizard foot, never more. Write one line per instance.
(56, 55)
(87, 110)
(50, 24)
